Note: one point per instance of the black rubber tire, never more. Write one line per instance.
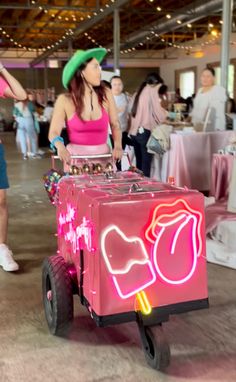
(57, 294)
(158, 354)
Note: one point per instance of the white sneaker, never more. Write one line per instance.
(6, 259)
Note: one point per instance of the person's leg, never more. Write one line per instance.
(124, 139)
(137, 151)
(32, 136)
(146, 157)
(3, 217)
(6, 259)
(21, 134)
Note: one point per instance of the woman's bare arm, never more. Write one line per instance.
(14, 90)
(56, 126)
(115, 125)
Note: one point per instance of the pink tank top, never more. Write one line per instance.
(88, 132)
(3, 86)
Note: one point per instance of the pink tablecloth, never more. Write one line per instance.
(217, 212)
(221, 174)
(189, 158)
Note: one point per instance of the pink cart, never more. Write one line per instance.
(132, 248)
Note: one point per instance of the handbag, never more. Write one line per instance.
(159, 140)
(154, 146)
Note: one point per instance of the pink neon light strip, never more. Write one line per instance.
(130, 263)
(151, 227)
(194, 264)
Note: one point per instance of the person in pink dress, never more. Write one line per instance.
(86, 109)
(146, 113)
(9, 88)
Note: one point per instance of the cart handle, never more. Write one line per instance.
(96, 156)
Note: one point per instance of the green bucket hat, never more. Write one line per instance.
(78, 59)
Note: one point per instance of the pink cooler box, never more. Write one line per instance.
(136, 235)
(133, 249)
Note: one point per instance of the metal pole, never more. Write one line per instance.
(70, 48)
(225, 40)
(116, 41)
(46, 81)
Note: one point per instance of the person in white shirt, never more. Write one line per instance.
(48, 111)
(210, 100)
(122, 101)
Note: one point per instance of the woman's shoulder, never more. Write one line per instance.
(218, 89)
(219, 93)
(63, 99)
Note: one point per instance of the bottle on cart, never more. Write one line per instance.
(171, 180)
(178, 116)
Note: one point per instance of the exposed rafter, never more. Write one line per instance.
(46, 7)
(84, 26)
(188, 14)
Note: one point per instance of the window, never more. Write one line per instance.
(186, 84)
(185, 81)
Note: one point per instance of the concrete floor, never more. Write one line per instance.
(203, 343)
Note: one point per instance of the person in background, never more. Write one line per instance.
(189, 104)
(231, 105)
(163, 90)
(178, 97)
(27, 126)
(48, 111)
(86, 108)
(146, 113)
(212, 98)
(9, 88)
(122, 103)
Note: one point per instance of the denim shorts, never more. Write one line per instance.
(3, 170)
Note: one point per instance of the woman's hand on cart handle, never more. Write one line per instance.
(117, 153)
(63, 153)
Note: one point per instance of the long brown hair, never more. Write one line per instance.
(151, 79)
(77, 90)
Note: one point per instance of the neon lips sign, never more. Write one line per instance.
(184, 217)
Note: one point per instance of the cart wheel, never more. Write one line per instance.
(156, 349)
(57, 294)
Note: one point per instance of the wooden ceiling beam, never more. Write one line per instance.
(18, 6)
(84, 26)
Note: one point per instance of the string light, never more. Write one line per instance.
(60, 18)
(185, 47)
(214, 32)
(89, 16)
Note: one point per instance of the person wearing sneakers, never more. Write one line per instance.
(23, 112)
(87, 109)
(9, 88)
